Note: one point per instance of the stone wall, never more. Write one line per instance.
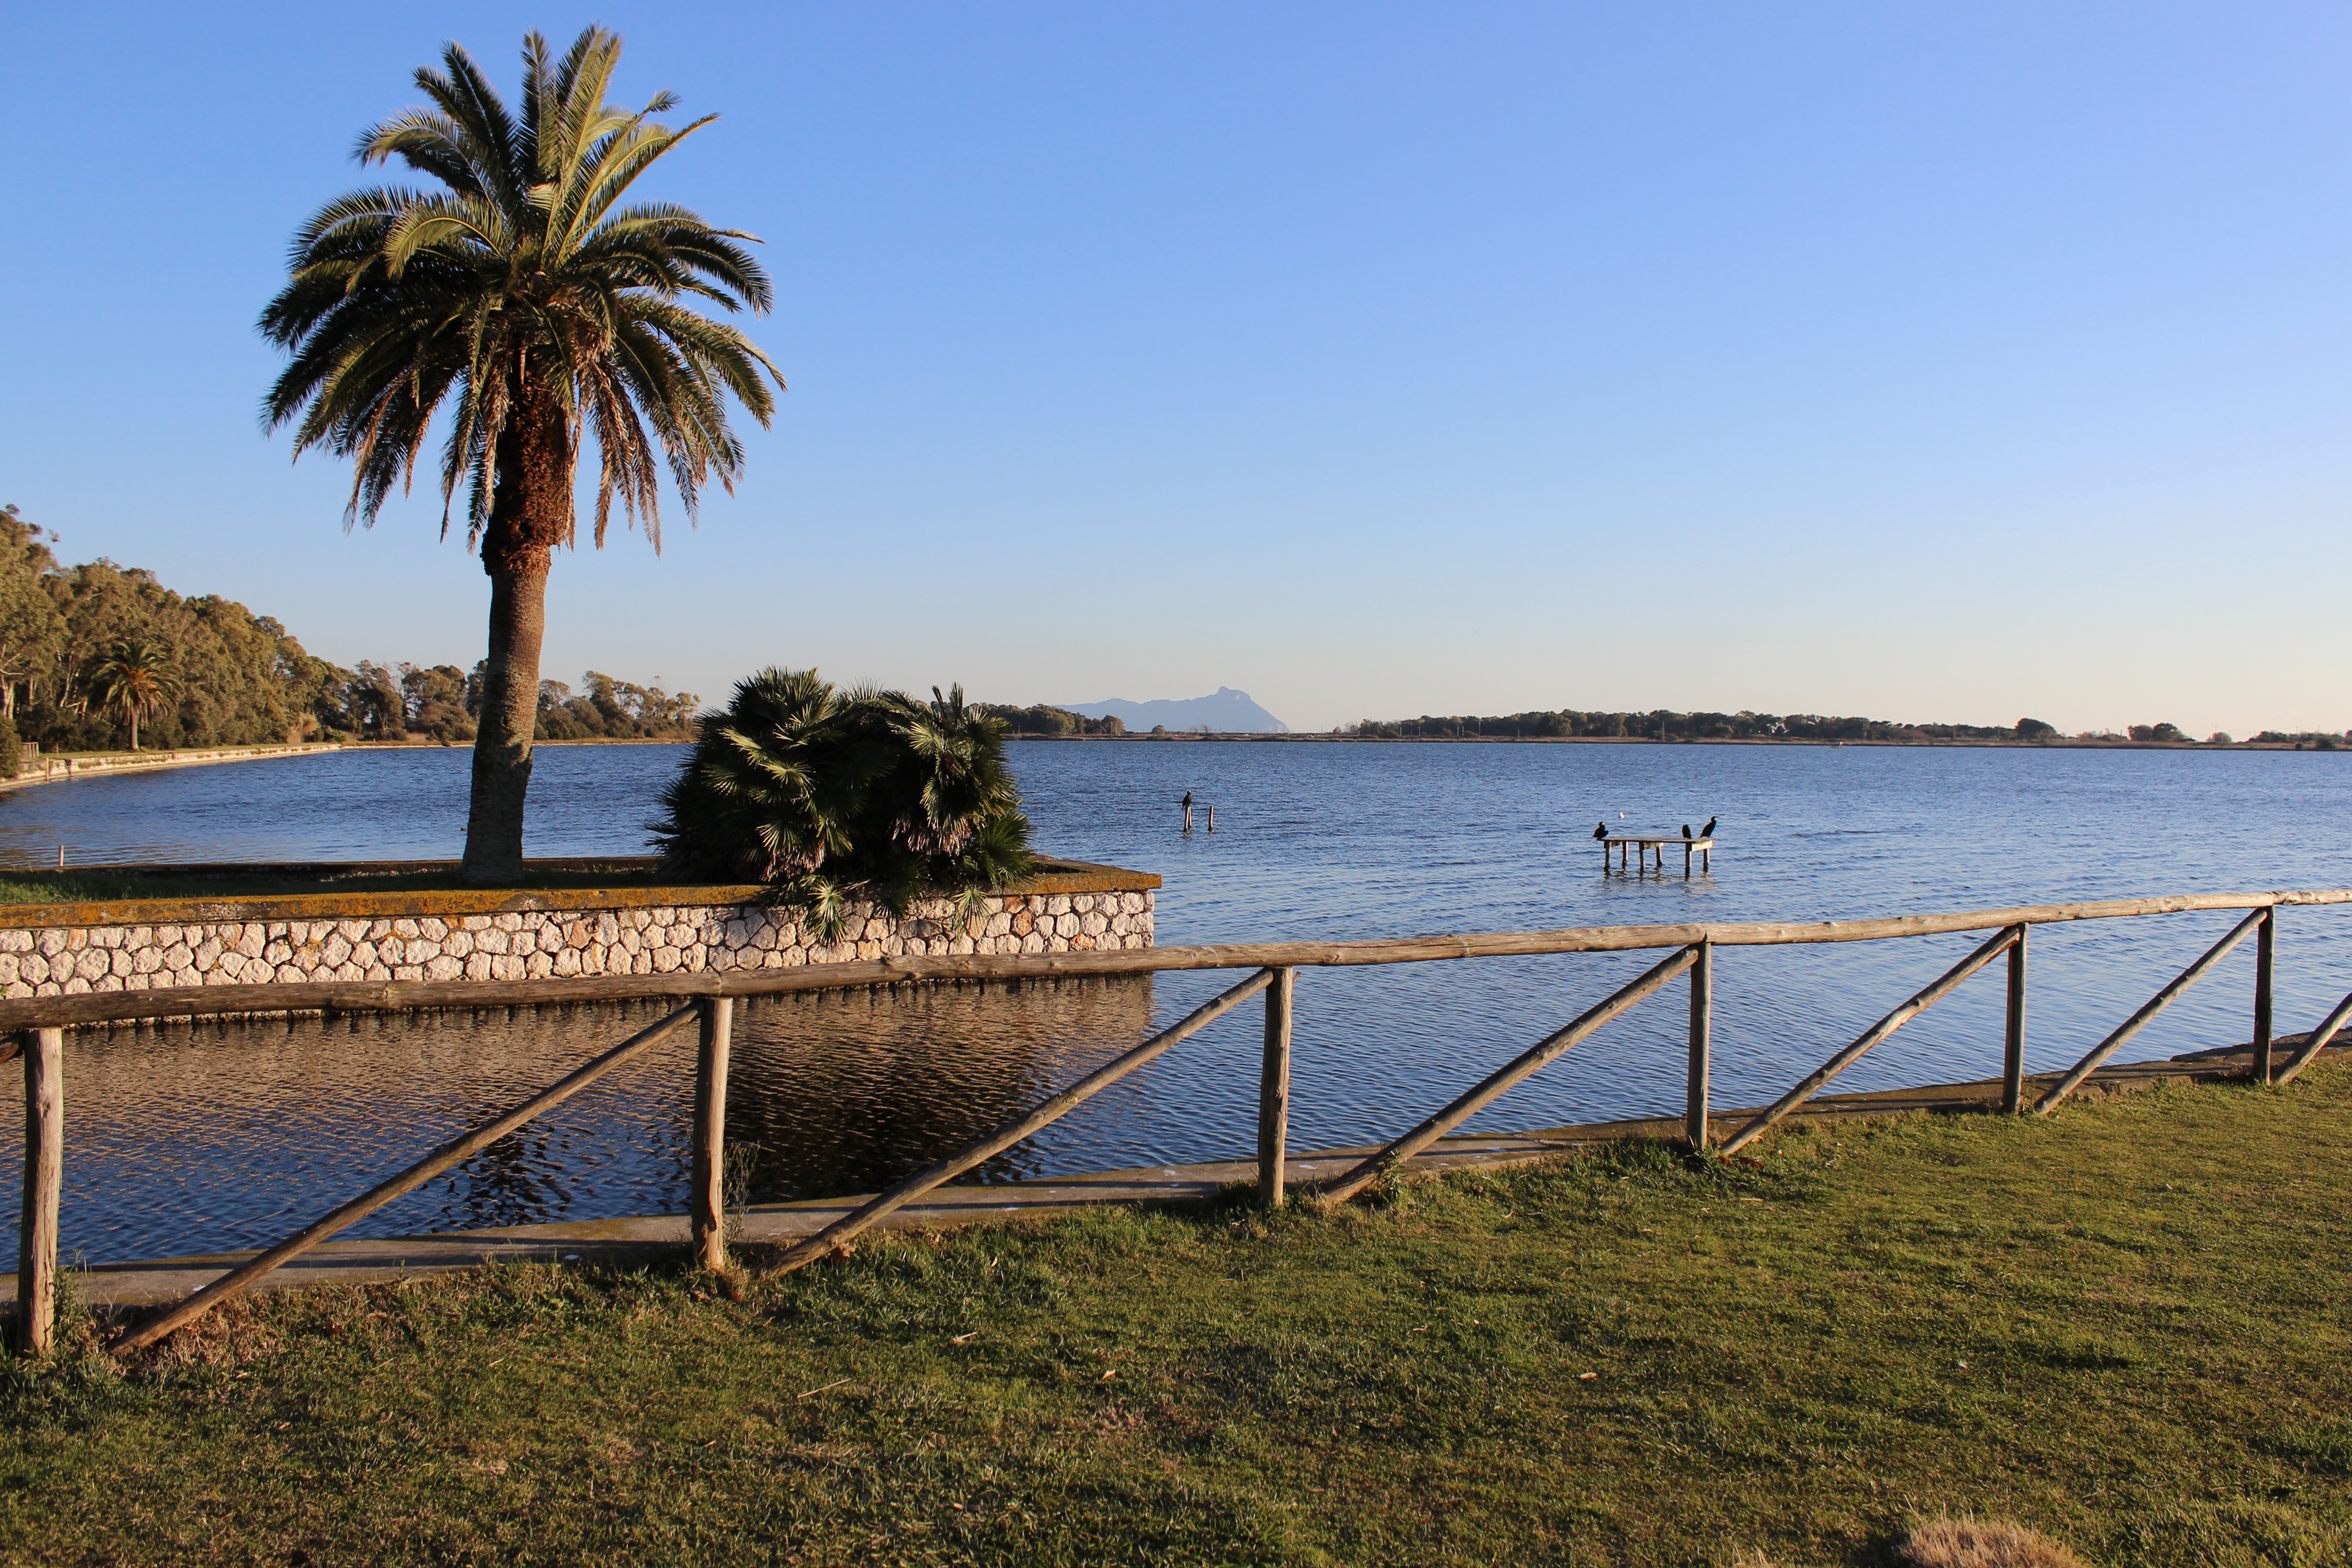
(639, 938)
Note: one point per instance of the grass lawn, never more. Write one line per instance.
(101, 886)
(2128, 1327)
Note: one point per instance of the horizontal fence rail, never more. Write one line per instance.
(406, 996)
(36, 1025)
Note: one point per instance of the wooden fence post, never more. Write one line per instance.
(1273, 1088)
(2012, 1060)
(708, 1208)
(2265, 966)
(1702, 1024)
(45, 1155)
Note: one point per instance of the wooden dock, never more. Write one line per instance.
(1625, 845)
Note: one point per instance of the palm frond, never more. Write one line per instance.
(521, 290)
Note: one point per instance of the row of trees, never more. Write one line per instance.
(1042, 720)
(1663, 723)
(99, 655)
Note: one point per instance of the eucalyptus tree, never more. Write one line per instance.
(32, 628)
(525, 299)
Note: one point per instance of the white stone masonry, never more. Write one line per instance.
(72, 959)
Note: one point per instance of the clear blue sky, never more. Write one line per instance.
(1957, 362)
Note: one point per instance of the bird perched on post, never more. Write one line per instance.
(1686, 832)
(1708, 831)
(1600, 830)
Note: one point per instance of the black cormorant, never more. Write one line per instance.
(1600, 830)
(1686, 832)
(1708, 831)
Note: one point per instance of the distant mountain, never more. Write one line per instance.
(1228, 713)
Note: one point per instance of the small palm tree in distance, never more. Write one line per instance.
(135, 678)
(528, 302)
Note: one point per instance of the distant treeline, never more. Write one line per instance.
(406, 702)
(220, 675)
(1042, 720)
(1745, 725)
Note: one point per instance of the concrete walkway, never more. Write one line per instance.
(652, 1237)
(47, 768)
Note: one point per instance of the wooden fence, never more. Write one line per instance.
(40, 1024)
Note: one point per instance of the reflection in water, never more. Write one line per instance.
(847, 1092)
(187, 1139)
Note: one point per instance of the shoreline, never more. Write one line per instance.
(41, 768)
(1924, 742)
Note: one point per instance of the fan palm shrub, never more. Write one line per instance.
(132, 680)
(523, 299)
(831, 797)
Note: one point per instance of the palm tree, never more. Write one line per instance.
(524, 295)
(134, 679)
(828, 796)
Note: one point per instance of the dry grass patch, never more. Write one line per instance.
(1968, 1542)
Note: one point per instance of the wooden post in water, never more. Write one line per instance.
(1274, 1089)
(44, 1175)
(1702, 1024)
(1212, 819)
(708, 1209)
(1686, 861)
(2012, 1058)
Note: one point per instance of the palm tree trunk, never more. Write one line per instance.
(509, 718)
(530, 514)
(134, 732)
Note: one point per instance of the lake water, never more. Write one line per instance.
(190, 1138)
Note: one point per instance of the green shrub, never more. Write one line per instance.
(11, 748)
(827, 797)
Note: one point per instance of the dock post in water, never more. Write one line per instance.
(1702, 1024)
(709, 1212)
(2012, 1058)
(1274, 1089)
(2265, 964)
(45, 1173)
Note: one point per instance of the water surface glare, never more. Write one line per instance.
(185, 1138)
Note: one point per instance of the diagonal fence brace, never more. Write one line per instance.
(1814, 1082)
(1542, 1053)
(465, 1146)
(2316, 1042)
(2073, 1080)
(873, 1211)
